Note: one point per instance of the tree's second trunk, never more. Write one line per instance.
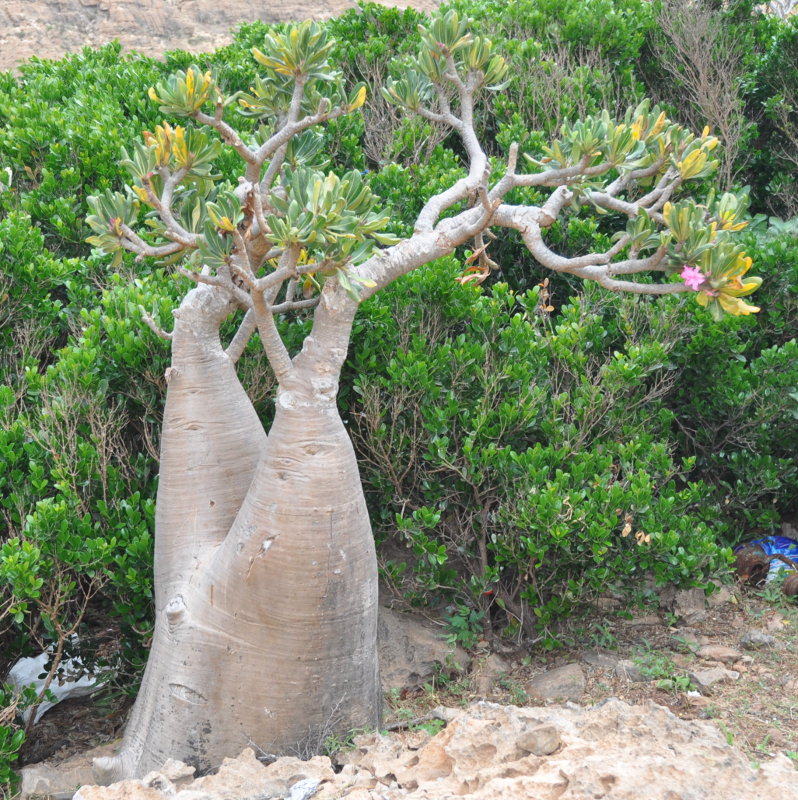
(270, 641)
(211, 442)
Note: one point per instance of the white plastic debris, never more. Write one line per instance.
(72, 680)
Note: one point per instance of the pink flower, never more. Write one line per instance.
(693, 277)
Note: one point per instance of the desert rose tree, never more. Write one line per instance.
(265, 570)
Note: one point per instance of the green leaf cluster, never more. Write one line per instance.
(184, 92)
(335, 219)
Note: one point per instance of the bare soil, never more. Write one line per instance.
(49, 29)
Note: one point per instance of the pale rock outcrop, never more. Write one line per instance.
(491, 752)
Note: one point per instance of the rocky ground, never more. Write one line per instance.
(692, 699)
(53, 28)
(491, 752)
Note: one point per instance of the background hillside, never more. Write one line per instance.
(53, 28)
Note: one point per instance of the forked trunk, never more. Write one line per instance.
(264, 636)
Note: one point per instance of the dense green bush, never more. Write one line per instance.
(516, 452)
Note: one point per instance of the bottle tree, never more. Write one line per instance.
(265, 570)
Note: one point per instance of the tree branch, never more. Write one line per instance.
(244, 333)
(163, 205)
(135, 244)
(154, 327)
(228, 134)
(262, 300)
(241, 297)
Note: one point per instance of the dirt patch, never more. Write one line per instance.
(53, 28)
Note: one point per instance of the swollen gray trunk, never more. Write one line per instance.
(266, 582)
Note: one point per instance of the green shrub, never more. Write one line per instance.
(511, 452)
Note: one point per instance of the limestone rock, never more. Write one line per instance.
(721, 596)
(689, 605)
(412, 651)
(567, 682)
(242, 778)
(629, 671)
(542, 740)
(704, 679)
(60, 780)
(613, 750)
(600, 658)
(719, 652)
(623, 668)
(757, 640)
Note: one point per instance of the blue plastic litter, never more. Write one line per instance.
(775, 545)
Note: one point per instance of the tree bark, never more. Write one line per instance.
(265, 629)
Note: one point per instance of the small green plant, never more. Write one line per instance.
(518, 695)
(655, 666)
(727, 734)
(431, 726)
(671, 619)
(338, 743)
(764, 746)
(464, 626)
(676, 683)
(684, 644)
(772, 591)
(603, 636)
(12, 736)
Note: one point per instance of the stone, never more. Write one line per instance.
(629, 671)
(412, 650)
(721, 596)
(718, 652)
(697, 700)
(607, 603)
(47, 779)
(644, 621)
(704, 679)
(688, 641)
(567, 682)
(602, 659)
(304, 789)
(242, 778)
(757, 640)
(776, 622)
(542, 740)
(689, 605)
(487, 673)
(492, 752)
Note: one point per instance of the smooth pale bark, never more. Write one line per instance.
(211, 442)
(266, 629)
